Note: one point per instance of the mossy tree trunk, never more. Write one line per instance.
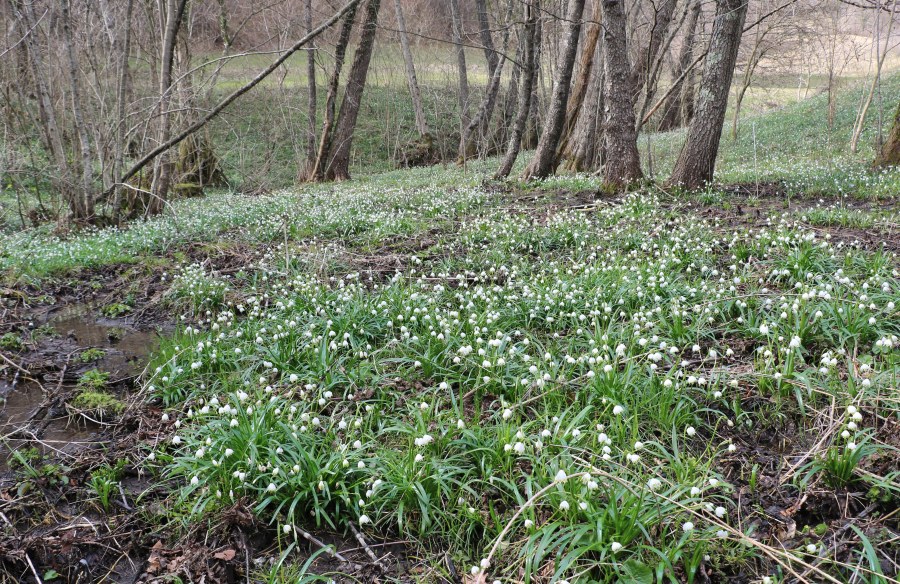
(890, 151)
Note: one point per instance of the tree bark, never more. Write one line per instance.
(585, 71)
(623, 163)
(421, 121)
(544, 160)
(890, 151)
(526, 88)
(317, 172)
(163, 167)
(582, 153)
(312, 97)
(339, 161)
(697, 160)
(673, 108)
(121, 99)
(461, 67)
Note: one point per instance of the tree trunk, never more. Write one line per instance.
(579, 90)
(890, 151)
(339, 161)
(86, 206)
(421, 122)
(544, 160)
(582, 153)
(312, 97)
(526, 88)
(121, 99)
(623, 163)
(697, 160)
(487, 40)
(162, 169)
(317, 172)
(662, 19)
(672, 109)
(476, 131)
(52, 136)
(461, 67)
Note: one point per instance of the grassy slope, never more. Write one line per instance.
(793, 145)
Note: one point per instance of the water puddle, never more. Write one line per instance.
(32, 416)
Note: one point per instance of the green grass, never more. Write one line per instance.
(548, 397)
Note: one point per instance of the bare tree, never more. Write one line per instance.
(526, 87)
(622, 163)
(317, 171)
(697, 160)
(456, 19)
(543, 163)
(419, 111)
(579, 90)
(676, 109)
(338, 167)
(880, 55)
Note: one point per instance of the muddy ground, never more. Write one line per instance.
(56, 528)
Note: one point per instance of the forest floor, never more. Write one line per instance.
(421, 376)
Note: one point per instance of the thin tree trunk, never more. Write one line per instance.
(121, 102)
(312, 97)
(662, 19)
(162, 172)
(697, 160)
(237, 93)
(339, 160)
(544, 160)
(623, 163)
(864, 110)
(487, 40)
(890, 151)
(461, 67)
(672, 109)
(317, 171)
(478, 125)
(579, 90)
(51, 132)
(421, 122)
(526, 88)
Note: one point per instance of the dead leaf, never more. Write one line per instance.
(226, 555)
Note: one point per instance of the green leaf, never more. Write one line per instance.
(636, 572)
(51, 575)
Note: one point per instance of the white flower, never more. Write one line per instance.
(691, 431)
(564, 505)
(363, 519)
(654, 484)
(287, 528)
(811, 548)
(720, 512)
(272, 487)
(616, 546)
(617, 410)
(687, 527)
(195, 481)
(763, 329)
(529, 524)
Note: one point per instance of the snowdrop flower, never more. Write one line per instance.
(363, 519)
(654, 484)
(687, 526)
(195, 481)
(561, 476)
(691, 431)
(720, 512)
(811, 548)
(616, 546)
(287, 528)
(617, 410)
(564, 505)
